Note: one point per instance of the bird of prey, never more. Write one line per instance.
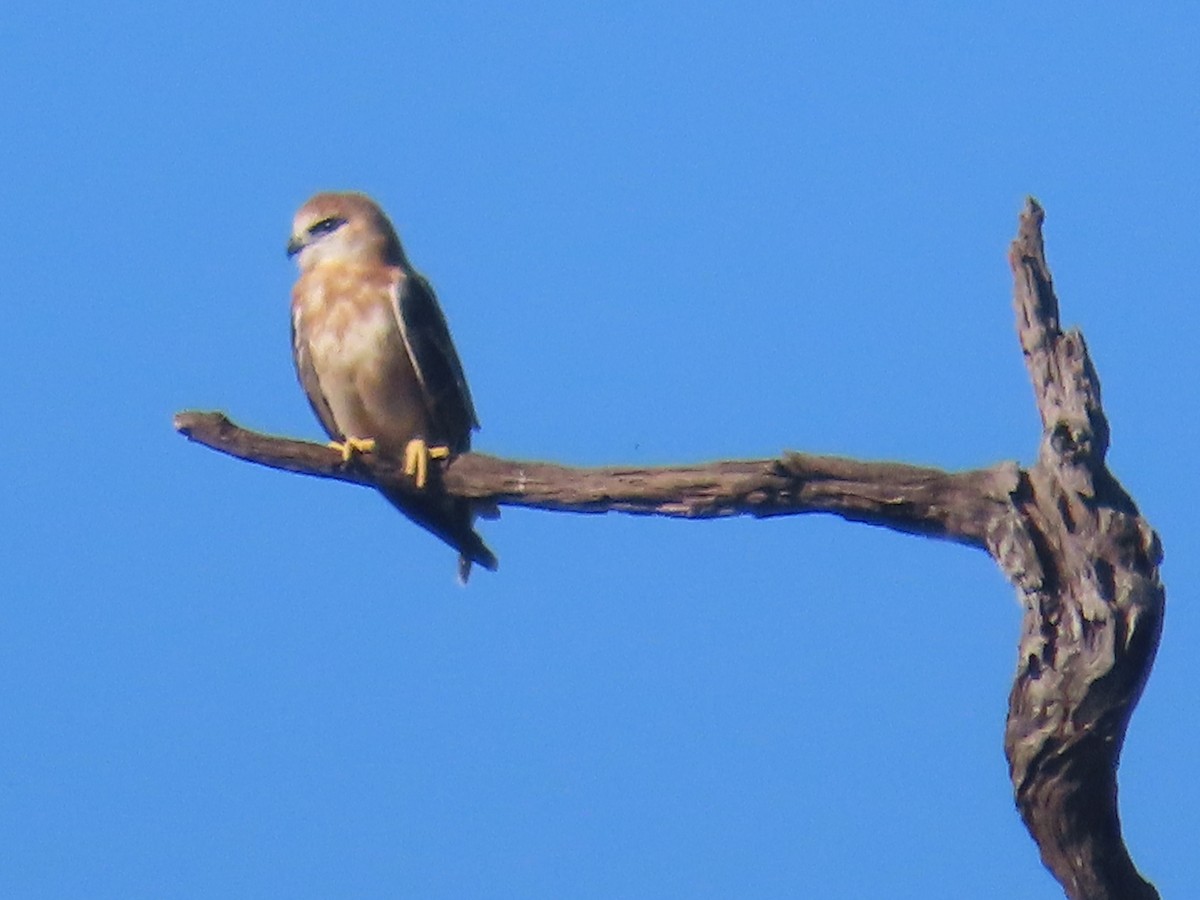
(375, 358)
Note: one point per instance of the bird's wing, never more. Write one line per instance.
(434, 358)
(311, 384)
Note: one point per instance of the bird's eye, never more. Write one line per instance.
(333, 223)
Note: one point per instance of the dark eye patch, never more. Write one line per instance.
(333, 223)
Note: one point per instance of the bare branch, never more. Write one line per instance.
(960, 506)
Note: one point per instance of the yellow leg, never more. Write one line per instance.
(416, 459)
(351, 446)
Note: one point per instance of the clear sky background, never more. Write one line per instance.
(661, 233)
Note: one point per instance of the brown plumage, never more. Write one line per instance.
(375, 358)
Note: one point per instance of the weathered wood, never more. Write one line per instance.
(959, 506)
(1092, 614)
(1084, 562)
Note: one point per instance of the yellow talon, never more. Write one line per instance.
(352, 445)
(416, 459)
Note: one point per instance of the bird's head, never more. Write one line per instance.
(343, 228)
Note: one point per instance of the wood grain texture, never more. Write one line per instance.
(1092, 613)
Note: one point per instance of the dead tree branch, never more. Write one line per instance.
(1093, 606)
(1064, 531)
(959, 506)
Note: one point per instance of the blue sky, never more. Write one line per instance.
(661, 233)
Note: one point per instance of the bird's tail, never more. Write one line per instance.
(474, 551)
(452, 519)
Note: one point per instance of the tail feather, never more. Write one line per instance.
(452, 520)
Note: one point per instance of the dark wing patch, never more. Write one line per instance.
(435, 360)
(312, 385)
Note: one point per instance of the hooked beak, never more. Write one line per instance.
(295, 245)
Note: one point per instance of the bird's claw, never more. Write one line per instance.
(416, 459)
(351, 446)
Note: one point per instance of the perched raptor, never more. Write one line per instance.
(374, 355)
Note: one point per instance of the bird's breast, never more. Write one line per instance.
(347, 323)
(348, 330)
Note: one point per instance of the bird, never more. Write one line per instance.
(373, 353)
